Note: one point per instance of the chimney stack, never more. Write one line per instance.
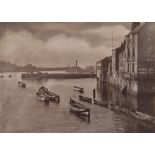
(135, 24)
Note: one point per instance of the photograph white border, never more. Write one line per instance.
(76, 11)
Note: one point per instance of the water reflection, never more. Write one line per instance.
(21, 112)
(143, 103)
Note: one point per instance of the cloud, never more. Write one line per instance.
(104, 35)
(87, 44)
(60, 50)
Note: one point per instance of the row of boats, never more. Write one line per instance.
(78, 108)
(44, 95)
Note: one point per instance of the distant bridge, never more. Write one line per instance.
(44, 69)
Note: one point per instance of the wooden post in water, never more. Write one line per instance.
(89, 116)
(58, 99)
(94, 93)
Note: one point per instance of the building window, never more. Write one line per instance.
(133, 40)
(133, 52)
(133, 67)
(128, 68)
(128, 54)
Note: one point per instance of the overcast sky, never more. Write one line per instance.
(59, 44)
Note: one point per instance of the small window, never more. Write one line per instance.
(133, 52)
(128, 53)
(133, 39)
(128, 67)
(133, 67)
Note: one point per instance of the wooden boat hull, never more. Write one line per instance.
(21, 84)
(50, 95)
(79, 90)
(79, 109)
(42, 98)
(76, 110)
(78, 87)
(86, 99)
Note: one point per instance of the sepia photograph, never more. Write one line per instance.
(77, 77)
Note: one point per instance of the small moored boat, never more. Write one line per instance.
(42, 98)
(79, 89)
(51, 96)
(84, 98)
(21, 84)
(78, 108)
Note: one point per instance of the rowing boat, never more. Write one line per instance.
(21, 84)
(76, 107)
(79, 89)
(50, 95)
(79, 109)
(84, 98)
(42, 98)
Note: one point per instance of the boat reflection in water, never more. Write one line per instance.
(143, 105)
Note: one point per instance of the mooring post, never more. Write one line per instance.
(58, 99)
(94, 93)
(88, 116)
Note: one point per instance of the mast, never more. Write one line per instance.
(112, 41)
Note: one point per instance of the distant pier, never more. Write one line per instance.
(57, 75)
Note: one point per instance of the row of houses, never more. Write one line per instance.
(131, 68)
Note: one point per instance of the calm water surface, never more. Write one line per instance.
(21, 112)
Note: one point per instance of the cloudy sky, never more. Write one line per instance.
(59, 44)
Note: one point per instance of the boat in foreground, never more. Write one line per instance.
(79, 108)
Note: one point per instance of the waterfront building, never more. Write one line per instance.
(117, 66)
(140, 59)
(132, 68)
(102, 69)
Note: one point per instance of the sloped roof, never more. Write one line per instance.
(106, 59)
(135, 30)
(138, 28)
(120, 48)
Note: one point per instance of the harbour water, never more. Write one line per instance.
(21, 112)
